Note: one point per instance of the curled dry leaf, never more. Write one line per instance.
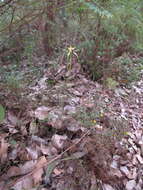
(42, 112)
(33, 129)
(42, 83)
(71, 124)
(24, 155)
(114, 164)
(33, 152)
(133, 174)
(28, 167)
(32, 165)
(48, 150)
(58, 171)
(13, 171)
(12, 118)
(141, 145)
(69, 109)
(55, 119)
(139, 158)
(125, 170)
(2, 186)
(115, 173)
(41, 162)
(75, 92)
(33, 174)
(24, 183)
(37, 176)
(57, 124)
(59, 141)
(38, 140)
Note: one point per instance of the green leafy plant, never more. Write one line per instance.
(111, 83)
(13, 83)
(86, 118)
(2, 113)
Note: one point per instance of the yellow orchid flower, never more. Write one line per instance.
(94, 121)
(70, 50)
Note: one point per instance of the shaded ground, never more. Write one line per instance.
(64, 131)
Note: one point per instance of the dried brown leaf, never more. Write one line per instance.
(28, 167)
(58, 171)
(37, 175)
(23, 183)
(42, 112)
(33, 153)
(3, 150)
(33, 171)
(13, 171)
(12, 118)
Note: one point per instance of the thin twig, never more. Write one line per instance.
(54, 159)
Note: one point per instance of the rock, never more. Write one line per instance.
(130, 185)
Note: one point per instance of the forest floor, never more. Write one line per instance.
(63, 131)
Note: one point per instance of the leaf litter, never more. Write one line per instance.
(72, 134)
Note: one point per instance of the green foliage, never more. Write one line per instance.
(13, 82)
(30, 46)
(112, 29)
(2, 113)
(111, 83)
(128, 69)
(87, 119)
(101, 30)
